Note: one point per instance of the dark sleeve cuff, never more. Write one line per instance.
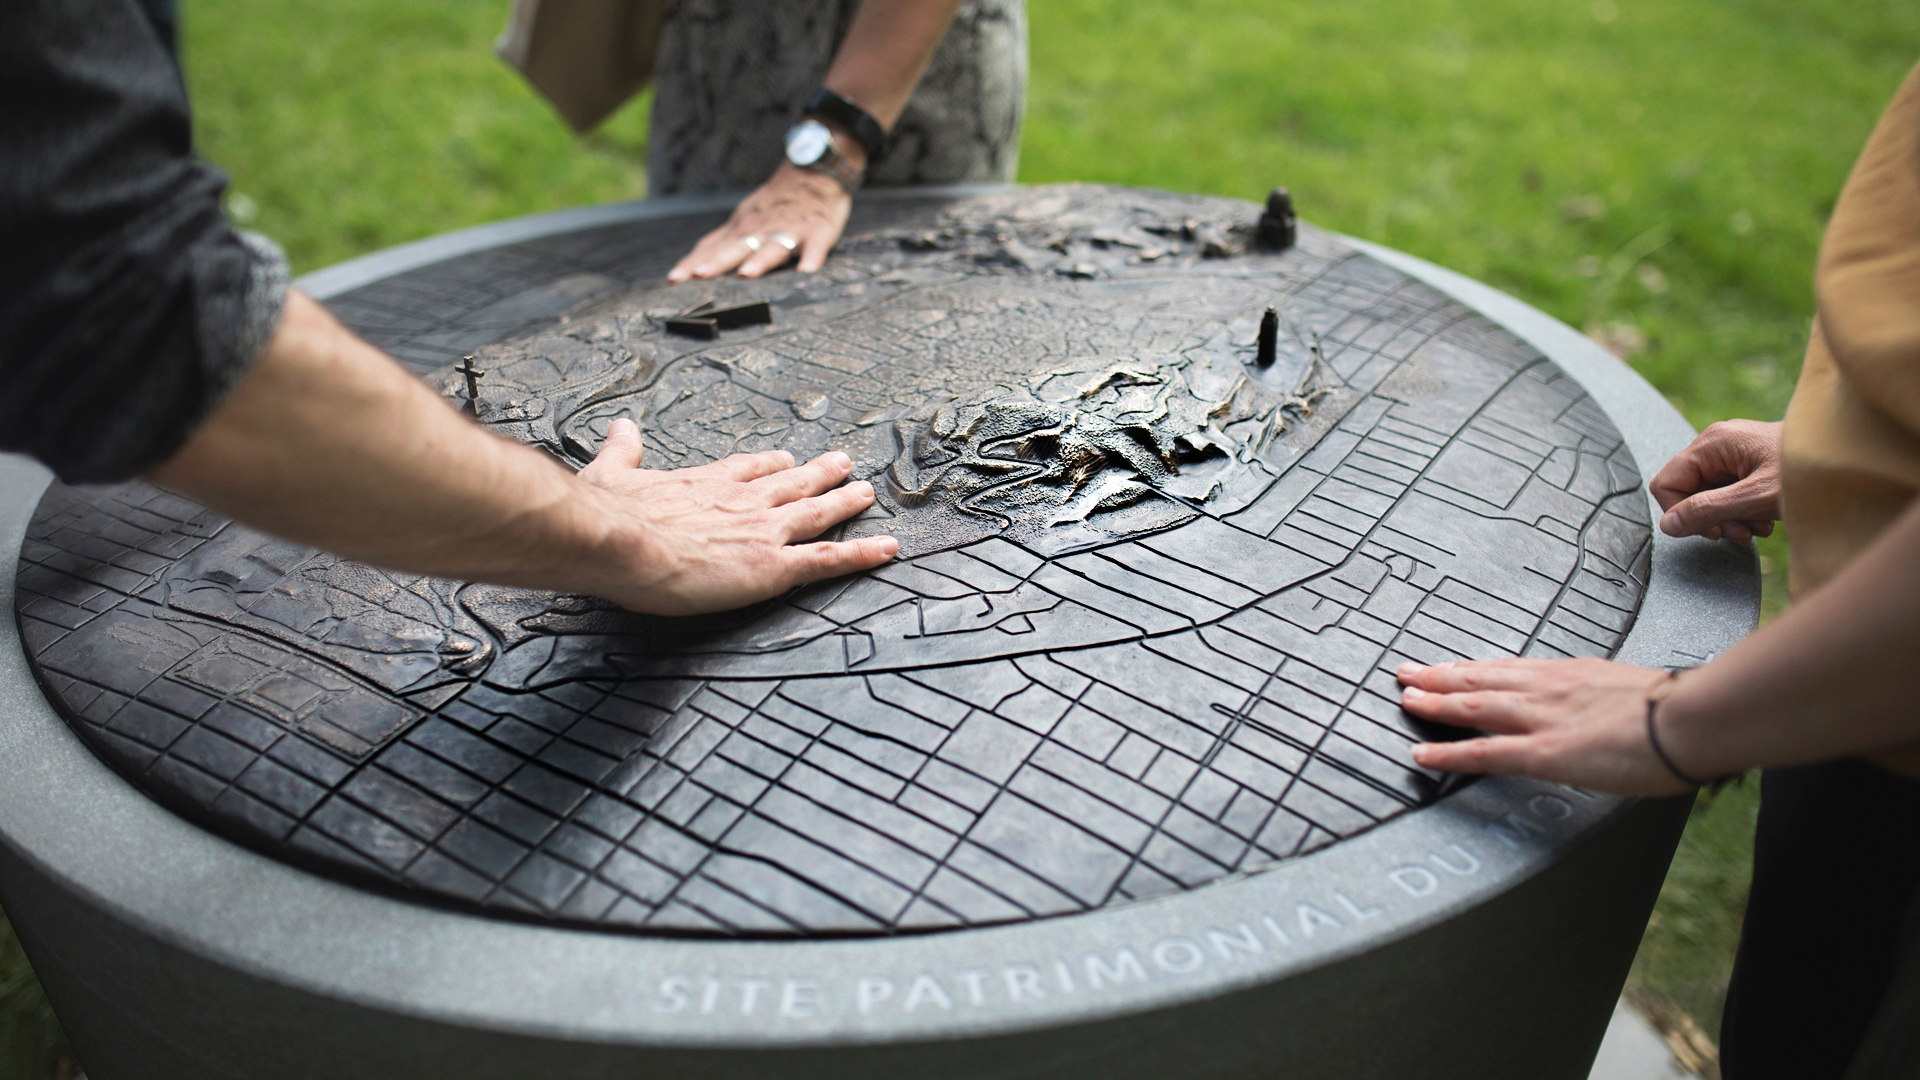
(238, 300)
(140, 364)
(129, 305)
(264, 299)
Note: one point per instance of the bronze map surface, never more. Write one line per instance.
(1141, 635)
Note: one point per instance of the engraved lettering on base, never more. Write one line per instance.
(872, 991)
(799, 998)
(1125, 966)
(1243, 940)
(926, 990)
(1177, 956)
(1463, 865)
(1313, 919)
(1023, 983)
(673, 994)
(1417, 880)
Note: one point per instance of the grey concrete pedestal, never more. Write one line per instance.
(1483, 936)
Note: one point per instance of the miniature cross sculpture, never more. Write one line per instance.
(473, 382)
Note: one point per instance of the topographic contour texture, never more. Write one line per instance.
(1141, 635)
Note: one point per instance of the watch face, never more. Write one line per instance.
(807, 142)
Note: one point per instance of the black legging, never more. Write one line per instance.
(1836, 864)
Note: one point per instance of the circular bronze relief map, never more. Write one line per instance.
(1140, 636)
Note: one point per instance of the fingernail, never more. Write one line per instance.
(702, 270)
(1410, 668)
(839, 460)
(1412, 693)
(621, 426)
(1670, 524)
(1420, 753)
(862, 489)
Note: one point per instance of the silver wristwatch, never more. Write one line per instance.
(810, 146)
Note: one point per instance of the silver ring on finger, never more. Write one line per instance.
(784, 240)
(752, 242)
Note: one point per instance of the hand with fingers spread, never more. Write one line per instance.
(797, 212)
(1725, 484)
(1832, 677)
(723, 535)
(329, 442)
(1580, 722)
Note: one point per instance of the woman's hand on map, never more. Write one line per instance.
(1725, 484)
(879, 63)
(1580, 722)
(719, 536)
(797, 207)
(1832, 677)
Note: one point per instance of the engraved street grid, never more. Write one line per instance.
(1144, 716)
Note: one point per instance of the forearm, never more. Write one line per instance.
(886, 51)
(330, 443)
(1833, 677)
(1836, 675)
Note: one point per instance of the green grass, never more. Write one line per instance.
(1669, 169)
(32, 1046)
(353, 125)
(1656, 172)
(1687, 953)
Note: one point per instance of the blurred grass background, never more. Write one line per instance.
(1655, 173)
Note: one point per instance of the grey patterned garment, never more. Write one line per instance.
(734, 74)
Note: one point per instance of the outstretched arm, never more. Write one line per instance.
(1833, 676)
(328, 442)
(878, 66)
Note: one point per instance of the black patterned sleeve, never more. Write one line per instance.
(128, 304)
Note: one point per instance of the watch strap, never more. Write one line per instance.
(858, 121)
(835, 164)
